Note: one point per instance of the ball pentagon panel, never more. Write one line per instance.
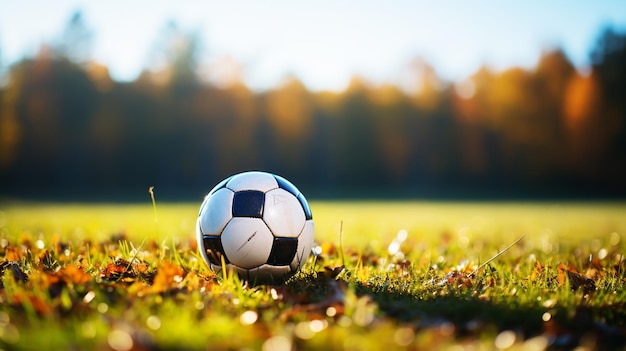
(283, 251)
(248, 203)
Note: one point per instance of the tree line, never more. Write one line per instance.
(68, 130)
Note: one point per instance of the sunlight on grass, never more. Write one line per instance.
(370, 224)
(402, 275)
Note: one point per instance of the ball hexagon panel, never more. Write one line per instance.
(305, 244)
(219, 186)
(285, 184)
(216, 212)
(283, 213)
(247, 242)
(260, 181)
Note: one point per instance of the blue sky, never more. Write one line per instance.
(323, 42)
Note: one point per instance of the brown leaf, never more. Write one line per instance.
(115, 270)
(15, 269)
(594, 269)
(331, 272)
(576, 280)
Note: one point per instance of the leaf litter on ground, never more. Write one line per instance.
(359, 293)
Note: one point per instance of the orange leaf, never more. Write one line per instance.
(39, 305)
(74, 274)
(115, 269)
(12, 254)
(51, 278)
(167, 275)
(140, 268)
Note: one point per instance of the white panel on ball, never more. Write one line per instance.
(305, 243)
(217, 212)
(247, 242)
(283, 213)
(252, 181)
(199, 235)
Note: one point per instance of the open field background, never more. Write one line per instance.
(364, 223)
(395, 275)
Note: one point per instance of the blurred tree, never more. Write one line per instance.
(428, 85)
(65, 125)
(289, 109)
(355, 155)
(9, 129)
(395, 131)
(49, 101)
(175, 59)
(550, 80)
(609, 68)
(288, 112)
(75, 42)
(586, 128)
(608, 63)
(471, 109)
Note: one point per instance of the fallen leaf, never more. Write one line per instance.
(567, 273)
(535, 273)
(168, 276)
(72, 273)
(13, 254)
(15, 269)
(34, 302)
(330, 272)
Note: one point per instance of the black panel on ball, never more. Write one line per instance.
(214, 249)
(305, 206)
(283, 251)
(286, 185)
(248, 203)
(219, 186)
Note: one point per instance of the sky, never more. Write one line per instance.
(323, 42)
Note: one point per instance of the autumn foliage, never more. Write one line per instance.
(67, 129)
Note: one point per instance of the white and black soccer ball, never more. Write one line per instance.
(259, 223)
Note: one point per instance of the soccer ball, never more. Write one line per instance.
(259, 224)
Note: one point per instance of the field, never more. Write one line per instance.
(389, 275)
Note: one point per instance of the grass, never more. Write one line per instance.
(391, 275)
